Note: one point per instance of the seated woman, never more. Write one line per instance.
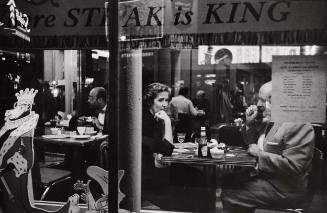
(157, 136)
(166, 187)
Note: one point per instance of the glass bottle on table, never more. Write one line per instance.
(202, 144)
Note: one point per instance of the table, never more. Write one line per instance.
(235, 156)
(79, 148)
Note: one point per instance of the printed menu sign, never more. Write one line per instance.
(299, 89)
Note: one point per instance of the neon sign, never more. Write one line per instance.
(17, 18)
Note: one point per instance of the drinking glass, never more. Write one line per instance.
(181, 137)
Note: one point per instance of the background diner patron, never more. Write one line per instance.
(98, 101)
(182, 111)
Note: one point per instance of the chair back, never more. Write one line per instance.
(183, 125)
(230, 135)
(104, 155)
(314, 181)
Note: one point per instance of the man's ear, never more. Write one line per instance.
(101, 100)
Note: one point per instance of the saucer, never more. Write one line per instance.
(181, 150)
(92, 133)
(80, 136)
(185, 145)
(54, 136)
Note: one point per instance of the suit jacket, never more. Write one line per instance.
(105, 130)
(285, 161)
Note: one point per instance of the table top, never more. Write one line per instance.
(236, 156)
(54, 206)
(70, 140)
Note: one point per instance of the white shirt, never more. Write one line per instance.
(101, 115)
(260, 141)
(262, 138)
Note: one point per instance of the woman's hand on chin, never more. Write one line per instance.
(161, 115)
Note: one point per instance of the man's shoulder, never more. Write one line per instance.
(172, 101)
(179, 98)
(295, 127)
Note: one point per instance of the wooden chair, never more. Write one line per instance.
(183, 125)
(230, 135)
(313, 184)
(104, 155)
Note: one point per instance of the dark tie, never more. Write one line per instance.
(268, 128)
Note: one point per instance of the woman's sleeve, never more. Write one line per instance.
(165, 147)
(158, 146)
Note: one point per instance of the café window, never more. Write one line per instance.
(65, 78)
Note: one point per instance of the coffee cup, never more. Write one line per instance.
(89, 130)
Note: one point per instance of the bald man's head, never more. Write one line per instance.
(266, 90)
(200, 94)
(97, 98)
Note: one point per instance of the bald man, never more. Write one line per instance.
(98, 101)
(284, 153)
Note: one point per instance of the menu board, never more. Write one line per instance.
(299, 89)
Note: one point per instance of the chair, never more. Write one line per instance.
(230, 135)
(183, 125)
(50, 177)
(104, 155)
(313, 185)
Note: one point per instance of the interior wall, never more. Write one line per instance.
(71, 76)
(53, 65)
(164, 66)
(178, 68)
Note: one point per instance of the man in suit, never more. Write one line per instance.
(284, 152)
(98, 101)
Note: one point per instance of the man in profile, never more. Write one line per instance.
(225, 105)
(200, 102)
(98, 101)
(284, 154)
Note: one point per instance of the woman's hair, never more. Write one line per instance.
(152, 91)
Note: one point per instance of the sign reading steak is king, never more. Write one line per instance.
(220, 16)
(88, 18)
(145, 18)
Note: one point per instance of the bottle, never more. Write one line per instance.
(195, 137)
(202, 141)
